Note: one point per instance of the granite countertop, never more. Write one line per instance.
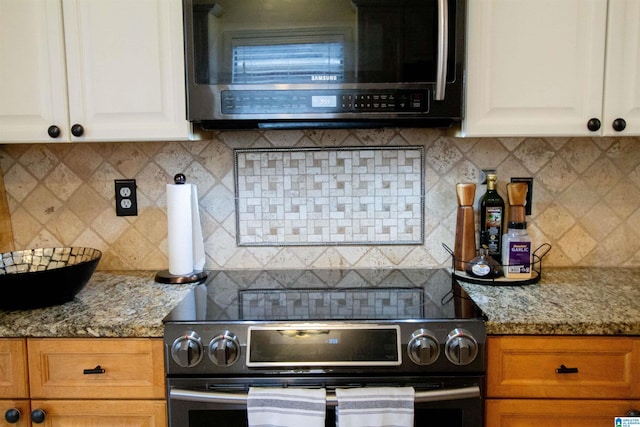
(566, 301)
(125, 304)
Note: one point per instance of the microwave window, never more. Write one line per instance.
(255, 42)
(283, 61)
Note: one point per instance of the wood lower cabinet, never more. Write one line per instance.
(13, 368)
(102, 413)
(14, 383)
(86, 382)
(561, 381)
(554, 413)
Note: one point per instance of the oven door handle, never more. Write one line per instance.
(241, 398)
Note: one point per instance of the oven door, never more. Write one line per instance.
(458, 403)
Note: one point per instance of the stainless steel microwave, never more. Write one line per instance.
(324, 63)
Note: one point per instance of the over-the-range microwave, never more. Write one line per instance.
(324, 63)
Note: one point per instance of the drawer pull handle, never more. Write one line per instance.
(564, 370)
(97, 370)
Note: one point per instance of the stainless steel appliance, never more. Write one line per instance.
(325, 328)
(324, 63)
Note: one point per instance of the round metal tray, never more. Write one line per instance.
(536, 270)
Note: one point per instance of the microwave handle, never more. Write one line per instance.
(443, 49)
(241, 398)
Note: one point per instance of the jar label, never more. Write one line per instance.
(519, 257)
(494, 228)
(481, 269)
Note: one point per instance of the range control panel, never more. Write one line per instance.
(324, 101)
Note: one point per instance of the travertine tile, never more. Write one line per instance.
(586, 197)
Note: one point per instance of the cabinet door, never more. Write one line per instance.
(13, 369)
(125, 69)
(622, 75)
(102, 413)
(33, 92)
(22, 406)
(552, 413)
(534, 67)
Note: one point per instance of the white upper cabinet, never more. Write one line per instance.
(537, 68)
(622, 71)
(95, 70)
(33, 81)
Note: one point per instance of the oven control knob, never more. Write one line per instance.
(461, 347)
(224, 349)
(423, 347)
(187, 350)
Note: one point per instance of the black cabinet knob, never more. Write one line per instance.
(593, 124)
(53, 131)
(12, 416)
(619, 125)
(633, 413)
(77, 130)
(38, 416)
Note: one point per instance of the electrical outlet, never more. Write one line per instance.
(126, 199)
(529, 182)
(483, 175)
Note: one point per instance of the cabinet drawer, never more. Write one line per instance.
(13, 368)
(538, 413)
(597, 367)
(61, 368)
(103, 413)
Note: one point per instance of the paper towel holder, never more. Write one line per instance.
(164, 276)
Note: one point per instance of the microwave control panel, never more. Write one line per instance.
(324, 101)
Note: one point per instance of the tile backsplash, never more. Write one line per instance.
(586, 197)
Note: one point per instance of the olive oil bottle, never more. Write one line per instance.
(492, 219)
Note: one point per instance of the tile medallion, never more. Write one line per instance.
(319, 196)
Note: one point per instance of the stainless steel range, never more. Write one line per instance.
(325, 328)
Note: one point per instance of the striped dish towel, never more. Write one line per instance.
(375, 407)
(286, 407)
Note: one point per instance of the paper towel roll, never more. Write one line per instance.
(184, 237)
(198, 242)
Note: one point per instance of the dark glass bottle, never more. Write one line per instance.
(492, 218)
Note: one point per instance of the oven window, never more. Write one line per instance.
(450, 417)
(221, 417)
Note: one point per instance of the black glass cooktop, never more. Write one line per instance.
(331, 294)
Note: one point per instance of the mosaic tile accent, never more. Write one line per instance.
(348, 196)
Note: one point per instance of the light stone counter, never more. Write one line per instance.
(125, 304)
(566, 301)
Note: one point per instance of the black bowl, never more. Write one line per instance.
(42, 277)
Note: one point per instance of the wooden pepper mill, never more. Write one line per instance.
(517, 192)
(465, 243)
